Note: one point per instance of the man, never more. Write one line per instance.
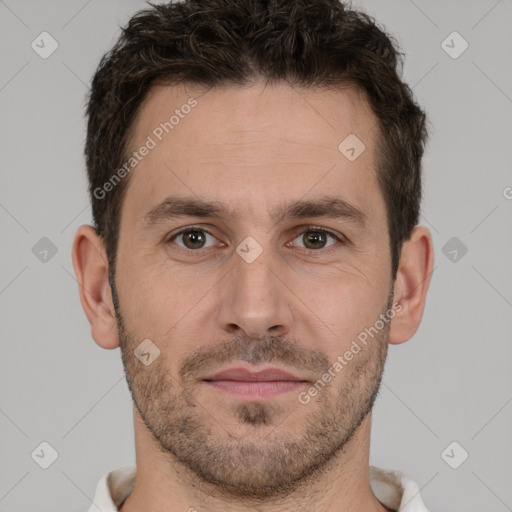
(255, 178)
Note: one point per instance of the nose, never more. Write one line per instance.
(255, 299)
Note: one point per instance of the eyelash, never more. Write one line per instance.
(316, 229)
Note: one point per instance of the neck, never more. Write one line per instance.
(163, 484)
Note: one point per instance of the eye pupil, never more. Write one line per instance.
(195, 237)
(317, 239)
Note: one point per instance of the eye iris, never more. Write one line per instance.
(195, 237)
(314, 239)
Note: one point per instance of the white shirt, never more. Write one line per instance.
(392, 488)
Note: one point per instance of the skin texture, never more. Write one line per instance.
(298, 306)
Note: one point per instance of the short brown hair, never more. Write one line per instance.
(235, 42)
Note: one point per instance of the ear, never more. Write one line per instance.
(411, 284)
(91, 269)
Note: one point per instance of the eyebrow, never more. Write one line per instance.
(331, 207)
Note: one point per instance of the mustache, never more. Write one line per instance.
(271, 349)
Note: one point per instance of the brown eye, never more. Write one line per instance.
(315, 239)
(193, 239)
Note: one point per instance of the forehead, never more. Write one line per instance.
(248, 146)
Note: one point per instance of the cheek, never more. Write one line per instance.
(159, 300)
(144, 296)
(347, 303)
(156, 307)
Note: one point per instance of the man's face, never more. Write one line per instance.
(320, 280)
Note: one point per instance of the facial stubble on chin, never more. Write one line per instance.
(246, 465)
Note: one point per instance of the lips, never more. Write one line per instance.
(244, 375)
(246, 385)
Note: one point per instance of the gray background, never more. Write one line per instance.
(451, 382)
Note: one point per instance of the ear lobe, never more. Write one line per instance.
(91, 269)
(411, 284)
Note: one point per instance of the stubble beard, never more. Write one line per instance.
(265, 456)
